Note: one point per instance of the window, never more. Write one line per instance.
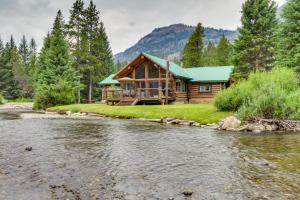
(140, 72)
(153, 71)
(181, 86)
(178, 86)
(205, 88)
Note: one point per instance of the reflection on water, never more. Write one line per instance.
(119, 159)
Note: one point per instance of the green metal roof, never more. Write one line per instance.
(195, 74)
(109, 81)
(210, 74)
(174, 68)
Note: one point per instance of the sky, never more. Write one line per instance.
(126, 21)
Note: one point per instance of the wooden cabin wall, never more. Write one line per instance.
(196, 97)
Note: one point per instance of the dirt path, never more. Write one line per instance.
(12, 105)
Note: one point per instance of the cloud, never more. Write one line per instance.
(125, 21)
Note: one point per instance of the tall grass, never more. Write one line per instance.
(274, 94)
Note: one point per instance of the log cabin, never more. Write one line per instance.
(152, 80)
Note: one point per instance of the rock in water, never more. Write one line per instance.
(187, 193)
(28, 148)
(230, 123)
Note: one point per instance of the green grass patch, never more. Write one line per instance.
(22, 100)
(202, 113)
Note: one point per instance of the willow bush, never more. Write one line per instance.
(274, 95)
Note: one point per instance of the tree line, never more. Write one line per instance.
(74, 57)
(263, 42)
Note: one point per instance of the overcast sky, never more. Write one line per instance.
(126, 21)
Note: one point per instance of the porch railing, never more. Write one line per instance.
(139, 93)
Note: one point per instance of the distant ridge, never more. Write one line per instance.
(168, 42)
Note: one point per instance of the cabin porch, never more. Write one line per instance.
(136, 96)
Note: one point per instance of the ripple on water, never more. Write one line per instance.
(140, 160)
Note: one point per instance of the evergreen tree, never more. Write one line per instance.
(57, 80)
(209, 55)
(193, 51)
(22, 71)
(74, 30)
(9, 61)
(97, 59)
(223, 52)
(105, 54)
(32, 60)
(24, 51)
(289, 35)
(254, 48)
(1, 47)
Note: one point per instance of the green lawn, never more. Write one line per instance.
(202, 113)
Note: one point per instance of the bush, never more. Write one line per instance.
(272, 94)
(1, 99)
(61, 93)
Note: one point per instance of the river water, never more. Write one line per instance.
(135, 160)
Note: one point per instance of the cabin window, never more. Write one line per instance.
(180, 86)
(140, 72)
(153, 71)
(205, 88)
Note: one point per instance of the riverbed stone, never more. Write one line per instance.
(61, 112)
(230, 123)
(256, 128)
(187, 192)
(271, 127)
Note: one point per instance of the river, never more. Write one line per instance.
(136, 160)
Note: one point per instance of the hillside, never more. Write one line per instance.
(168, 42)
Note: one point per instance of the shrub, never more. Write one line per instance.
(265, 94)
(1, 99)
(61, 93)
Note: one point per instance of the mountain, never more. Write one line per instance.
(169, 42)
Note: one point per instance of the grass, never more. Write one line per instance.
(21, 100)
(202, 113)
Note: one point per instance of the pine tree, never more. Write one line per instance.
(210, 54)
(9, 61)
(74, 30)
(57, 80)
(223, 52)
(289, 35)
(98, 56)
(32, 61)
(1, 46)
(254, 48)
(22, 72)
(193, 51)
(24, 50)
(105, 54)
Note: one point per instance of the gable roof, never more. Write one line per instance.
(195, 74)
(174, 68)
(210, 74)
(109, 81)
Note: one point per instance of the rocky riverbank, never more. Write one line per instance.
(260, 125)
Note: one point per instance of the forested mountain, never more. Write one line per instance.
(169, 42)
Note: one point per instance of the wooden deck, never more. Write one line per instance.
(140, 95)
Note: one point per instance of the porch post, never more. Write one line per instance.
(167, 82)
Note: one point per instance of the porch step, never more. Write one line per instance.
(135, 102)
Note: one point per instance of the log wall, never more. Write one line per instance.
(196, 97)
